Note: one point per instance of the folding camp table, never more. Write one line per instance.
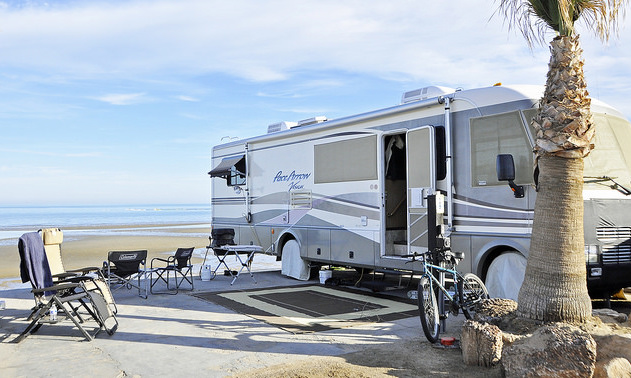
(236, 250)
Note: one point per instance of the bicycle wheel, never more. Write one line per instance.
(428, 309)
(471, 291)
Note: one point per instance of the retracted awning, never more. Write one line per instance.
(224, 168)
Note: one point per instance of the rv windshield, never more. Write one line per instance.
(610, 161)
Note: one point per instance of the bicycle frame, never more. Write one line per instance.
(468, 290)
(429, 272)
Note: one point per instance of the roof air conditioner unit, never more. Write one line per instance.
(280, 126)
(311, 121)
(425, 93)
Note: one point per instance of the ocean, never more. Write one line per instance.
(143, 219)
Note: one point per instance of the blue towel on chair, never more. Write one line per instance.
(33, 261)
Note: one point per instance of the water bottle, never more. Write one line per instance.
(53, 313)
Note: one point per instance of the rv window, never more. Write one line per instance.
(494, 135)
(237, 174)
(529, 114)
(346, 160)
(232, 169)
(441, 153)
(611, 155)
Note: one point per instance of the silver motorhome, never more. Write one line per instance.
(353, 191)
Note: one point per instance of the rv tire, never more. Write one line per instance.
(292, 264)
(505, 275)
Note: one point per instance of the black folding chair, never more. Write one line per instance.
(178, 264)
(54, 301)
(124, 269)
(218, 237)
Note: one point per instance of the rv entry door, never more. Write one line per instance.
(421, 182)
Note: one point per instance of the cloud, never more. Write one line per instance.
(187, 98)
(272, 40)
(305, 111)
(94, 154)
(211, 36)
(122, 98)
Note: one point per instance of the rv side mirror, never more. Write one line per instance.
(505, 167)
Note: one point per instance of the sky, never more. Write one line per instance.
(120, 102)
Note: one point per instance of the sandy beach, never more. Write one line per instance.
(83, 248)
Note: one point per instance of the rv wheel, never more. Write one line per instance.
(505, 275)
(292, 264)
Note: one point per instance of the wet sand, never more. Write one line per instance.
(80, 250)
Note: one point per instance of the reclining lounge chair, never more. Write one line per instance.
(54, 301)
(90, 276)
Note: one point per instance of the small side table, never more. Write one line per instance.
(146, 274)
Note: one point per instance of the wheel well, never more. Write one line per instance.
(491, 254)
(281, 243)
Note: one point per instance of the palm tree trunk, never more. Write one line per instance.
(555, 285)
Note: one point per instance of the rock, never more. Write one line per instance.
(606, 314)
(481, 344)
(613, 346)
(503, 313)
(557, 350)
(509, 338)
(493, 310)
(613, 368)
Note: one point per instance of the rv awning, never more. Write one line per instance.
(225, 166)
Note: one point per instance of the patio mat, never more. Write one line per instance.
(313, 308)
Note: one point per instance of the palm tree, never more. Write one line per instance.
(555, 285)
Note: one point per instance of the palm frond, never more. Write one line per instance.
(534, 18)
(521, 15)
(602, 17)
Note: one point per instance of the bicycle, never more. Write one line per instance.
(468, 290)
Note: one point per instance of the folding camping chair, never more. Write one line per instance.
(54, 300)
(218, 237)
(90, 276)
(122, 268)
(179, 263)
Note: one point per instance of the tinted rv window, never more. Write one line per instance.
(441, 153)
(611, 155)
(499, 134)
(529, 114)
(346, 160)
(237, 174)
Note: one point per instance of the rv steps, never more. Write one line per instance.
(394, 272)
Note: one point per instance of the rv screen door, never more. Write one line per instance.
(420, 182)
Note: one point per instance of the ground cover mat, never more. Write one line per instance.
(313, 308)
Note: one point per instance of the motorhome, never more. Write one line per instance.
(354, 191)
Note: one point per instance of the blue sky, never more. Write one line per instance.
(119, 102)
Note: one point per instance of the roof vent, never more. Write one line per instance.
(280, 126)
(311, 121)
(425, 93)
